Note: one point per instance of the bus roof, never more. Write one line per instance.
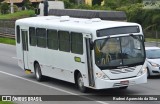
(68, 23)
(81, 13)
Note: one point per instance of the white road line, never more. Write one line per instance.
(101, 102)
(7, 44)
(15, 58)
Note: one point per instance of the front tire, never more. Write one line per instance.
(38, 73)
(80, 83)
(124, 87)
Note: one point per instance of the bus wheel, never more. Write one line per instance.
(80, 83)
(124, 87)
(38, 72)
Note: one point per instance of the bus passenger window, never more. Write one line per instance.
(52, 39)
(76, 43)
(32, 36)
(41, 37)
(18, 34)
(64, 41)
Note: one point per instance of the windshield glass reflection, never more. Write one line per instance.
(115, 52)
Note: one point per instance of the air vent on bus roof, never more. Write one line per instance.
(64, 18)
(96, 20)
(93, 20)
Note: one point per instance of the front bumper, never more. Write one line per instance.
(104, 84)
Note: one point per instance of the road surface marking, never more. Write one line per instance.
(14, 57)
(58, 89)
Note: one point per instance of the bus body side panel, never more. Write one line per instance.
(19, 55)
(62, 65)
(58, 64)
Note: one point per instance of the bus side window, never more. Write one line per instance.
(41, 37)
(32, 36)
(52, 39)
(18, 33)
(76, 43)
(64, 41)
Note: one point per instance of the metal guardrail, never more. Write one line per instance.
(152, 44)
(7, 36)
(7, 28)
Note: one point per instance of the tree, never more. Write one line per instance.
(4, 8)
(15, 7)
(72, 1)
(96, 2)
(68, 4)
(27, 4)
(111, 4)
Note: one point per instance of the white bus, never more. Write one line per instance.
(92, 53)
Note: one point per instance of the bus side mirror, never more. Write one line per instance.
(37, 11)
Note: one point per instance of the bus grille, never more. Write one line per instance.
(124, 70)
(121, 85)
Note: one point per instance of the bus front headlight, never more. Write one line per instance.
(101, 75)
(142, 71)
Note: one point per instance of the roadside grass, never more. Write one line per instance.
(6, 102)
(7, 41)
(18, 15)
(152, 40)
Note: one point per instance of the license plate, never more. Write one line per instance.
(126, 82)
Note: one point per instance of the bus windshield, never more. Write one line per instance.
(126, 51)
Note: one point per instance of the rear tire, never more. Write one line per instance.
(124, 87)
(80, 83)
(38, 73)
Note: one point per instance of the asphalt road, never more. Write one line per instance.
(13, 81)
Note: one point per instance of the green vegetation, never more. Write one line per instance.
(27, 4)
(6, 102)
(4, 8)
(148, 18)
(7, 41)
(152, 40)
(96, 2)
(17, 15)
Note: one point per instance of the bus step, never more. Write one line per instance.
(27, 71)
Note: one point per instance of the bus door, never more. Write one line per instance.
(24, 35)
(89, 61)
